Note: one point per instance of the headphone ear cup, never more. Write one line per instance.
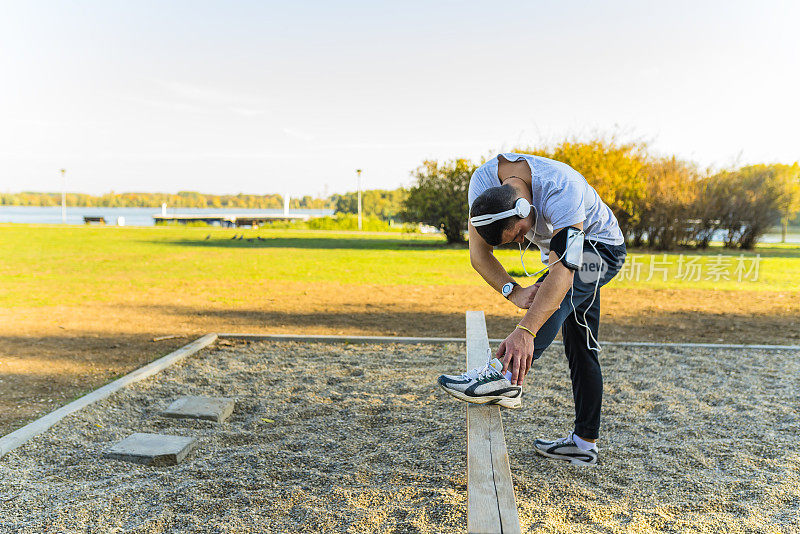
(522, 207)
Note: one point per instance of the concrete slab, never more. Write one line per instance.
(152, 449)
(208, 408)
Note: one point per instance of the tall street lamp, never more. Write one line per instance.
(64, 196)
(358, 171)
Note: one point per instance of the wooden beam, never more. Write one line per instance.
(491, 505)
(503, 484)
(396, 339)
(315, 338)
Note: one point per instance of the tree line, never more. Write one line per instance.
(181, 199)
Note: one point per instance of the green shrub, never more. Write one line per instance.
(347, 221)
(178, 223)
(340, 221)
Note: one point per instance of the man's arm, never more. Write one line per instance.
(481, 256)
(518, 346)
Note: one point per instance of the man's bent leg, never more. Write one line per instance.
(582, 289)
(547, 332)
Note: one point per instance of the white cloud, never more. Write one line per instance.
(189, 98)
(247, 112)
(166, 105)
(298, 134)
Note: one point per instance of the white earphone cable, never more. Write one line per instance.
(522, 253)
(585, 323)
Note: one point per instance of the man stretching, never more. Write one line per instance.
(515, 197)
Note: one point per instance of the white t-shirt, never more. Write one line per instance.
(561, 197)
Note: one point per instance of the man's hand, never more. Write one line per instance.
(523, 296)
(516, 352)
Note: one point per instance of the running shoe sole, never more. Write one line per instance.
(573, 461)
(500, 400)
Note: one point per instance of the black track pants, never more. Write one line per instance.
(584, 366)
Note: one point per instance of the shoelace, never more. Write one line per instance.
(565, 439)
(478, 372)
(570, 438)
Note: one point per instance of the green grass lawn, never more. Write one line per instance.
(52, 264)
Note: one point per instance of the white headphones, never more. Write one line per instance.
(522, 208)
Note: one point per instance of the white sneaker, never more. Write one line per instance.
(566, 449)
(484, 385)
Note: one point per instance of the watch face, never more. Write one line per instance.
(507, 289)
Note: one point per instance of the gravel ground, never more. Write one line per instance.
(356, 438)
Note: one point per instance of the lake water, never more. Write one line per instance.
(144, 217)
(133, 216)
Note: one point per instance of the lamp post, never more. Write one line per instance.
(358, 171)
(64, 196)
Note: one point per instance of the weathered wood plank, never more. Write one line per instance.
(477, 340)
(483, 515)
(504, 486)
(491, 506)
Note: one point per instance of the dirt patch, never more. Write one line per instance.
(357, 438)
(50, 355)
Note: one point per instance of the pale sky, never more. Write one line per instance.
(274, 97)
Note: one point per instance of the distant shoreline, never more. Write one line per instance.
(132, 216)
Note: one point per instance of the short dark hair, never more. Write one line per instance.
(495, 200)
